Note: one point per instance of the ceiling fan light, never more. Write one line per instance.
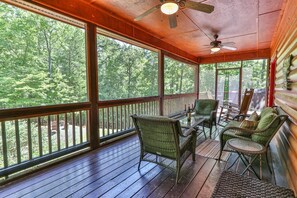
(215, 49)
(169, 8)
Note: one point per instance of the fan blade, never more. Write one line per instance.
(153, 9)
(228, 43)
(228, 47)
(199, 6)
(172, 20)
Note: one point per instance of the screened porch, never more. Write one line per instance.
(73, 73)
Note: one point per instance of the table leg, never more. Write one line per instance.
(247, 162)
(204, 130)
(233, 163)
(249, 166)
(261, 166)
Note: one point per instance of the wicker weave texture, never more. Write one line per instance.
(234, 185)
(159, 137)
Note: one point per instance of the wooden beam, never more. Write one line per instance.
(161, 82)
(93, 85)
(88, 13)
(196, 73)
(235, 56)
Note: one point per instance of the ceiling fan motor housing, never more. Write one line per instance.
(215, 43)
(181, 3)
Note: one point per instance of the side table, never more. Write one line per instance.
(246, 147)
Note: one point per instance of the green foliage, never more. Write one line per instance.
(254, 73)
(125, 71)
(207, 78)
(178, 77)
(42, 61)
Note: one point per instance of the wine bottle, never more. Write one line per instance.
(189, 114)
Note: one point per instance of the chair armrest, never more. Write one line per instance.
(213, 114)
(242, 116)
(238, 129)
(185, 127)
(233, 105)
(188, 132)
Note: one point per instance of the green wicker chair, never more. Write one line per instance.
(207, 108)
(263, 136)
(163, 137)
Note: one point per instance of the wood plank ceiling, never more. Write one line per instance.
(250, 24)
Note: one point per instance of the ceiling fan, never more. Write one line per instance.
(217, 45)
(170, 7)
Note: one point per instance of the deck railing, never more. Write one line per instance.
(176, 103)
(31, 136)
(114, 116)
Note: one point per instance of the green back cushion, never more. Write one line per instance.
(204, 107)
(157, 134)
(263, 137)
(266, 111)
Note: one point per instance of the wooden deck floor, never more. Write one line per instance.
(111, 171)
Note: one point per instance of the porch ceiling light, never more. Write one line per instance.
(215, 49)
(169, 8)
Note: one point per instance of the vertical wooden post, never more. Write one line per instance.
(161, 82)
(92, 74)
(267, 81)
(240, 84)
(197, 72)
(271, 83)
(216, 82)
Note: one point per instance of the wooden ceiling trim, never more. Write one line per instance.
(88, 13)
(255, 54)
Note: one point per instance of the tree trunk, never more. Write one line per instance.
(181, 81)
(49, 53)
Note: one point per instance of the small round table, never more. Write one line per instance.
(246, 147)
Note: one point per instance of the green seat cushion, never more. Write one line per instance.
(267, 110)
(206, 117)
(232, 133)
(254, 116)
(263, 137)
(205, 106)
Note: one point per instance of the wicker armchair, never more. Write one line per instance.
(263, 136)
(207, 108)
(163, 137)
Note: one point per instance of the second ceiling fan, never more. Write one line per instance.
(170, 7)
(216, 45)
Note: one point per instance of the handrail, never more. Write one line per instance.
(110, 103)
(28, 112)
(172, 96)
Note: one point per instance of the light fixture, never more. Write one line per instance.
(169, 8)
(215, 49)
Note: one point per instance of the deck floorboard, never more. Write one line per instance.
(111, 171)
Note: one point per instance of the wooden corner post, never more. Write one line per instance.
(161, 82)
(92, 73)
(197, 69)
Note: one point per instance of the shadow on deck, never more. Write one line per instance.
(112, 171)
